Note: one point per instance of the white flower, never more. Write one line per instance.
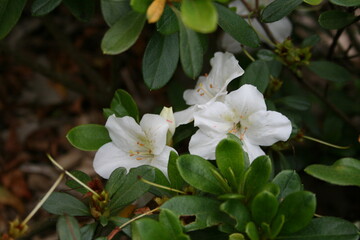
(280, 29)
(244, 114)
(134, 145)
(211, 87)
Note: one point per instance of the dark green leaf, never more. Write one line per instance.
(112, 10)
(237, 27)
(257, 74)
(10, 12)
(116, 180)
(310, 41)
(122, 105)
(346, 3)
(238, 211)
(175, 178)
(88, 137)
(123, 34)
(149, 229)
(335, 19)
(199, 15)
(295, 102)
(140, 5)
(330, 71)
(88, 231)
(62, 203)
(68, 228)
(264, 207)
(345, 172)
(43, 7)
(81, 9)
(266, 55)
(162, 180)
(83, 177)
(160, 60)
(168, 23)
(289, 182)
(278, 9)
(172, 223)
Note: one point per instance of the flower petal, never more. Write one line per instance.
(253, 151)
(202, 145)
(228, 43)
(184, 116)
(281, 29)
(155, 128)
(199, 95)
(268, 127)
(161, 161)
(246, 100)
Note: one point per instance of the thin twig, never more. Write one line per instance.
(334, 43)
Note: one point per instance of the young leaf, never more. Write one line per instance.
(68, 228)
(238, 211)
(330, 71)
(112, 10)
(346, 3)
(81, 9)
(123, 34)
(83, 177)
(10, 12)
(199, 15)
(199, 173)
(116, 180)
(252, 231)
(168, 23)
(62, 203)
(88, 137)
(43, 7)
(264, 207)
(345, 172)
(237, 27)
(254, 76)
(289, 182)
(278, 9)
(140, 5)
(160, 60)
(122, 105)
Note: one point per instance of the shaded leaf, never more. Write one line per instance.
(278, 9)
(112, 10)
(289, 182)
(330, 71)
(68, 228)
(81, 9)
(10, 12)
(122, 105)
(62, 203)
(257, 74)
(335, 19)
(43, 7)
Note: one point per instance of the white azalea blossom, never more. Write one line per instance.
(280, 29)
(211, 87)
(244, 114)
(134, 145)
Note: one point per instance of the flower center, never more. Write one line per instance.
(238, 130)
(202, 90)
(143, 152)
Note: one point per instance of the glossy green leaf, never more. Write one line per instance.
(264, 207)
(199, 15)
(81, 9)
(238, 211)
(237, 27)
(200, 173)
(43, 7)
(88, 137)
(68, 228)
(175, 178)
(330, 71)
(295, 102)
(123, 34)
(172, 223)
(346, 3)
(289, 182)
(83, 177)
(63, 203)
(298, 209)
(140, 5)
(115, 181)
(335, 19)
(257, 74)
(149, 229)
(10, 12)
(168, 23)
(313, 2)
(326, 228)
(276, 225)
(252, 231)
(122, 105)
(230, 159)
(345, 172)
(200, 212)
(113, 10)
(278, 9)
(272, 188)
(160, 60)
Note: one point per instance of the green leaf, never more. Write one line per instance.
(336, 19)
(251, 231)
(168, 23)
(278, 9)
(160, 60)
(88, 137)
(344, 172)
(112, 10)
(83, 177)
(264, 207)
(295, 102)
(237, 27)
(277, 225)
(122, 105)
(81, 9)
(140, 5)
(202, 210)
(149, 229)
(238, 211)
(289, 182)
(172, 223)
(298, 209)
(123, 34)
(199, 173)
(330, 71)
(199, 15)
(310, 41)
(313, 2)
(256, 176)
(236, 236)
(68, 228)
(191, 50)
(230, 159)
(132, 187)
(346, 3)
(62, 203)
(88, 231)
(326, 228)
(175, 178)
(43, 7)
(257, 74)
(116, 180)
(162, 180)
(10, 12)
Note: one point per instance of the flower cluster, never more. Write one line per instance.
(215, 112)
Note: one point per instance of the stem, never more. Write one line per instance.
(72, 176)
(248, 54)
(32, 213)
(118, 229)
(325, 143)
(161, 186)
(334, 43)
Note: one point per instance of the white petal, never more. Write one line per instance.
(109, 157)
(253, 151)
(202, 145)
(281, 29)
(124, 131)
(168, 115)
(161, 161)
(229, 44)
(184, 116)
(216, 117)
(199, 95)
(155, 128)
(240, 7)
(268, 127)
(246, 100)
